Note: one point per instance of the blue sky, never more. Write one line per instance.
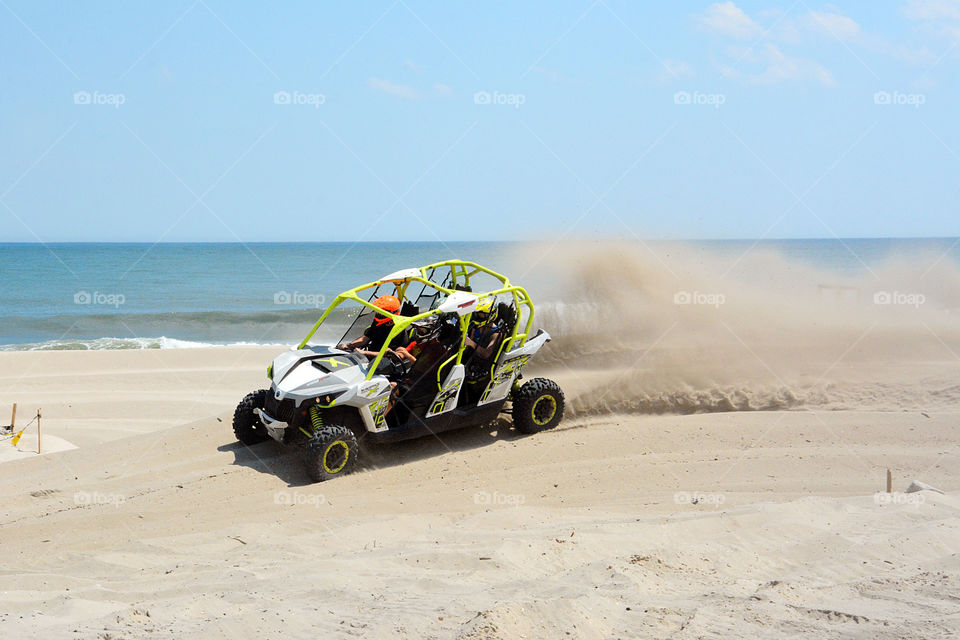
(206, 120)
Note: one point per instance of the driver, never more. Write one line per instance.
(374, 336)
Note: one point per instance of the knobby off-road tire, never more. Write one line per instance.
(537, 406)
(331, 452)
(246, 424)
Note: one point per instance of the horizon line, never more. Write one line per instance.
(361, 242)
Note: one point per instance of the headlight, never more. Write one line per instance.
(327, 399)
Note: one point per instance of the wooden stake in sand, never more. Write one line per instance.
(889, 481)
(40, 434)
(13, 417)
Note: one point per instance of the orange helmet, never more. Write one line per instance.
(390, 304)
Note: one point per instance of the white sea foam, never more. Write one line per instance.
(102, 344)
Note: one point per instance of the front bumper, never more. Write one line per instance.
(275, 428)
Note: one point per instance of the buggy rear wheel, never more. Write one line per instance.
(537, 406)
(331, 452)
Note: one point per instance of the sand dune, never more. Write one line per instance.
(707, 525)
(716, 476)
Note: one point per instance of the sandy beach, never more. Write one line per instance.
(724, 524)
(673, 290)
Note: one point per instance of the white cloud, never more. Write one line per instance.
(552, 76)
(400, 90)
(774, 29)
(834, 24)
(728, 19)
(678, 68)
(932, 10)
(915, 56)
(800, 32)
(777, 67)
(442, 89)
(938, 17)
(672, 70)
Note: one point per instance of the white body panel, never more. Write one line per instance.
(446, 399)
(509, 367)
(460, 303)
(403, 274)
(341, 376)
(373, 413)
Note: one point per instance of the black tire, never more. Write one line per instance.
(331, 452)
(537, 406)
(246, 424)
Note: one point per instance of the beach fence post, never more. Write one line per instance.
(40, 432)
(889, 481)
(13, 417)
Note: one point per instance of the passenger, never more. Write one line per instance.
(420, 333)
(425, 353)
(484, 331)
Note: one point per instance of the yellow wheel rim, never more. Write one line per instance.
(343, 463)
(543, 410)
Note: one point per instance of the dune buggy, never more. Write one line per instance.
(428, 374)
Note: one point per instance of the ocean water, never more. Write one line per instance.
(174, 295)
(113, 295)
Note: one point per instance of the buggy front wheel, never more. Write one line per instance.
(246, 424)
(331, 452)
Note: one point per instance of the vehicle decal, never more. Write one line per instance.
(506, 372)
(378, 409)
(370, 391)
(446, 395)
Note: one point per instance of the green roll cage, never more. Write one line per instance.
(461, 272)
